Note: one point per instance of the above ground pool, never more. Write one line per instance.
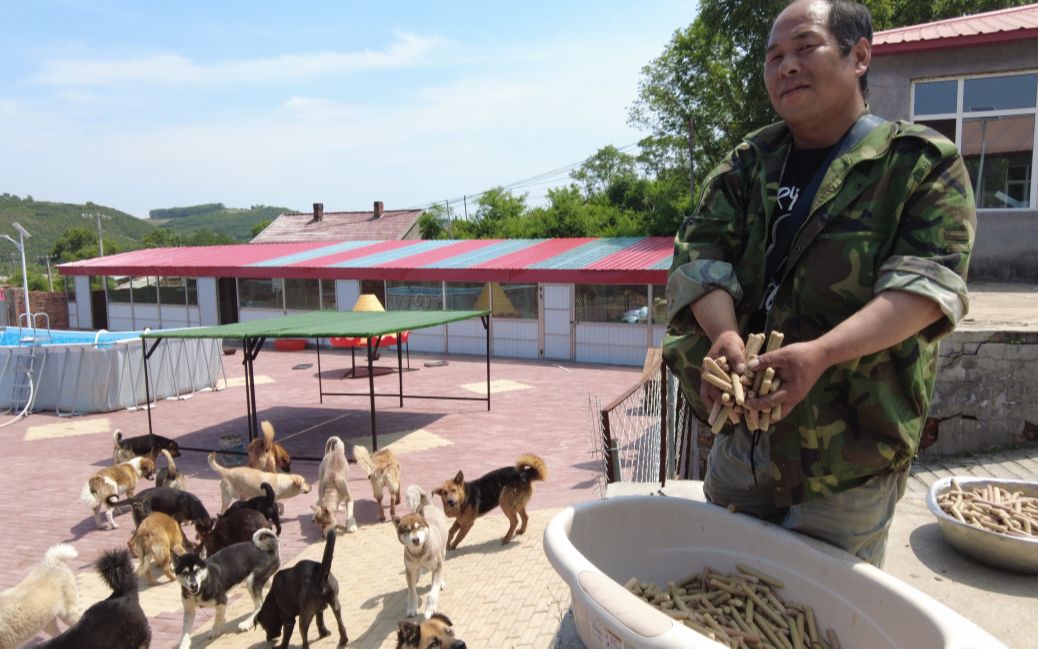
(77, 372)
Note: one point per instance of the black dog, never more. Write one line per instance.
(205, 582)
(183, 506)
(304, 590)
(114, 623)
(265, 504)
(150, 445)
(230, 528)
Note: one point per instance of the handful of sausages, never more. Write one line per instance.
(736, 388)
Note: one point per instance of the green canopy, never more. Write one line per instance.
(322, 324)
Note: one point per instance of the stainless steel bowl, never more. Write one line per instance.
(1016, 553)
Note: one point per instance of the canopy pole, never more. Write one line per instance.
(257, 346)
(485, 319)
(246, 348)
(400, 366)
(147, 390)
(320, 384)
(371, 395)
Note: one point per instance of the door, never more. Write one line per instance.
(557, 321)
(227, 297)
(99, 308)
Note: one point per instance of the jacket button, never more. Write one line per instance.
(797, 249)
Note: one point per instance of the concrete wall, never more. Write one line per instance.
(1005, 245)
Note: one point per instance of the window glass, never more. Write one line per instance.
(303, 294)
(171, 290)
(192, 291)
(376, 287)
(659, 304)
(935, 97)
(998, 154)
(145, 290)
(69, 285)
(119, 289)
(945, 127)
(328, 295)
(463, 296)
(521, 301)
(261, 293)
(414, 296)
(621, 303)
(999, 93)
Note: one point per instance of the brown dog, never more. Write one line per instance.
(115, 481)
(267, 455)
(156, 540)
(435, 633)
(510, 487)
(383, 471)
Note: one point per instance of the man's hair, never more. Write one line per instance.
(850, 21)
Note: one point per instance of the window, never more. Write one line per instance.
(69, 284)
(145, 290)
(192, 291)
(659, 304)
(522, 301)
(612, 303)
(992, 121)
(414, 296)
(463, 296)
(261, 293)
(172, 290)
(119, 290)
(376, 287)
(328, 295)
(303, 294)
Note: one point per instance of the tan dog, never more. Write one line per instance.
(511, 487)
(115, 481)
(158, 538)
(436, 633)
(267, 455)
(243, 482)
(168, 476)
(384, 474)
(333, 490)
(47, 594)
(423, 533)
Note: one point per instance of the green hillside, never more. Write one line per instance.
(236, 223)
(47, 221)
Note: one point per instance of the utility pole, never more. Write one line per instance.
(50, 279)
(100, 241)
(450, 221)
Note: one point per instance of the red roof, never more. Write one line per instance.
(628, 260)
(1017, 23)
(339, 226)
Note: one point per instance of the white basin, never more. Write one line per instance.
(597, 546)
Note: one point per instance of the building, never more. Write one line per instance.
(975, 79)
(584, 300)
(378, 224)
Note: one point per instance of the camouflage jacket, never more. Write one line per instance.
(894, 212)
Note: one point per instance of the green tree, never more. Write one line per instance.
(161, 238)
(433, 223)
(606, 166)
(75, 244)
(260, 227)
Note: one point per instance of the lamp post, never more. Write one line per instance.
(23, 234)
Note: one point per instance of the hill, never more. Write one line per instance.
(236, 223)
(47, 221)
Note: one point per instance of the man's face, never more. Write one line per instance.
(810, 83)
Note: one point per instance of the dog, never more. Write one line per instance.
(114, 623)
(267, 455)
(205, 582)
(333, 490)
(303, 591)
(244, 482)
(265, 504)
(157, 539)
(114, 481)
(434, 633)
(510, 487)
(47, 594)
(230, 528)
(183, 506)
(168, 476)
(423, 534)
(384, 473)
(125, 449)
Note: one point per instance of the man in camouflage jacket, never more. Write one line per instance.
(874, 278)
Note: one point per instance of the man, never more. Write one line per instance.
(863, 278)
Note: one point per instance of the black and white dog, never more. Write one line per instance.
(114, 623)
(265, 504)
(304, 590)
(183, 506)
(205, 582)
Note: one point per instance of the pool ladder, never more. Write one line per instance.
(23, 391)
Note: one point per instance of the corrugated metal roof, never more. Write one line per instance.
(637, 260)
(1016, 23)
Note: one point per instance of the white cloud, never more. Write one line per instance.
(407, 50)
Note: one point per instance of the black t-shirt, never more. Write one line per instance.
(800, 168)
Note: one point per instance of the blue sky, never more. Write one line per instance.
(140, 105)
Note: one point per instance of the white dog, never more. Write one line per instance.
(423, 534)
(333, 492)
(49, 593)
(243, 482)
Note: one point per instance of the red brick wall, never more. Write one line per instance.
(53, 304)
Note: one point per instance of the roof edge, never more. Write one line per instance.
(946, 42)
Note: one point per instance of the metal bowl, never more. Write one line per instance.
(1016, 553)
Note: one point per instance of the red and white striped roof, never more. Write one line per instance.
(631, 260)
(988, 28)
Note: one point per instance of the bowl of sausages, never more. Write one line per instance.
(992, 520)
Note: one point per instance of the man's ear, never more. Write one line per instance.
(862, 53)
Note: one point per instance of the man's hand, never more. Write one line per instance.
(799, 365)
(730, 345)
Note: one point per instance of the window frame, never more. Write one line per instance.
(960, 115)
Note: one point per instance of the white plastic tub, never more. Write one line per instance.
(597, 546)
